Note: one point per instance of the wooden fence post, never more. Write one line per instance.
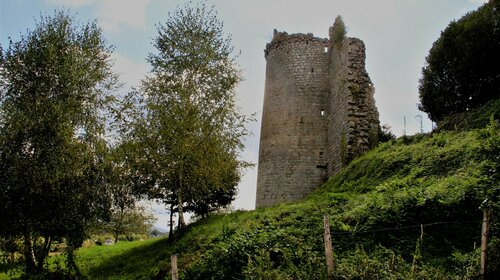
(484, 239)
(173, 263)
(328, 248)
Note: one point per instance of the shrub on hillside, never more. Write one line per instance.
(472, 119)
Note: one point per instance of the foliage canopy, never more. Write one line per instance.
(54, 85)
(183, 127)
(462, 70)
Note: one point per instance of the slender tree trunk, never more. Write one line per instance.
(119, 223)
(29, 257)
(44, 252)
(118, 226)
(171, 231)
(182, 223)
(70, 261)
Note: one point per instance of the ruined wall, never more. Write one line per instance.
(318, 112)
(294, 130)
(353, 119)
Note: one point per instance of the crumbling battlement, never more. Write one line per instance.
(283, 38)
(318, 114)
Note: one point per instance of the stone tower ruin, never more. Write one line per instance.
(318, 114)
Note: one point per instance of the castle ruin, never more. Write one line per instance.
(319, 112)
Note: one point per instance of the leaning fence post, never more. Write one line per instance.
(484, 239)
(173, 261)
(328, 248)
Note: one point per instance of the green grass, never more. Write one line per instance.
(123, 260)
(376, 207)
(9, 273)
(473, 119)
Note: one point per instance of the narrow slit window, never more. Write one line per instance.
(325, 49)
(312, 70)
(322, 112)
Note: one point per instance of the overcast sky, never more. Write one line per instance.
(397, 34)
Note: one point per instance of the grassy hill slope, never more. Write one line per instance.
(409, 209)
(378, 207)
(473, 119)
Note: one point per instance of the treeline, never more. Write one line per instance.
(74, 156)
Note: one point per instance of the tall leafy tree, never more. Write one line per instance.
(185, 126)
(54, 84)
(462, 70)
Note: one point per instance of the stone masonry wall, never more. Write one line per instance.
(353, 117)
(318, 113)
(294, 131)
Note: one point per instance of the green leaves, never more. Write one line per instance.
(461, 73)
(184, 123)
(54, 91)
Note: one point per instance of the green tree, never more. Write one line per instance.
(462, 70)
(338, 31)
(385, 134)
(127, 220)
(54, 84)
(127, 216)
(186, 129)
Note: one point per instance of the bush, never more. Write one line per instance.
(472, 119)
(385, 134)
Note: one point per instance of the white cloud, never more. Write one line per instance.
(112, 14)
(131, 72)
(478, 1)
(71, 3)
